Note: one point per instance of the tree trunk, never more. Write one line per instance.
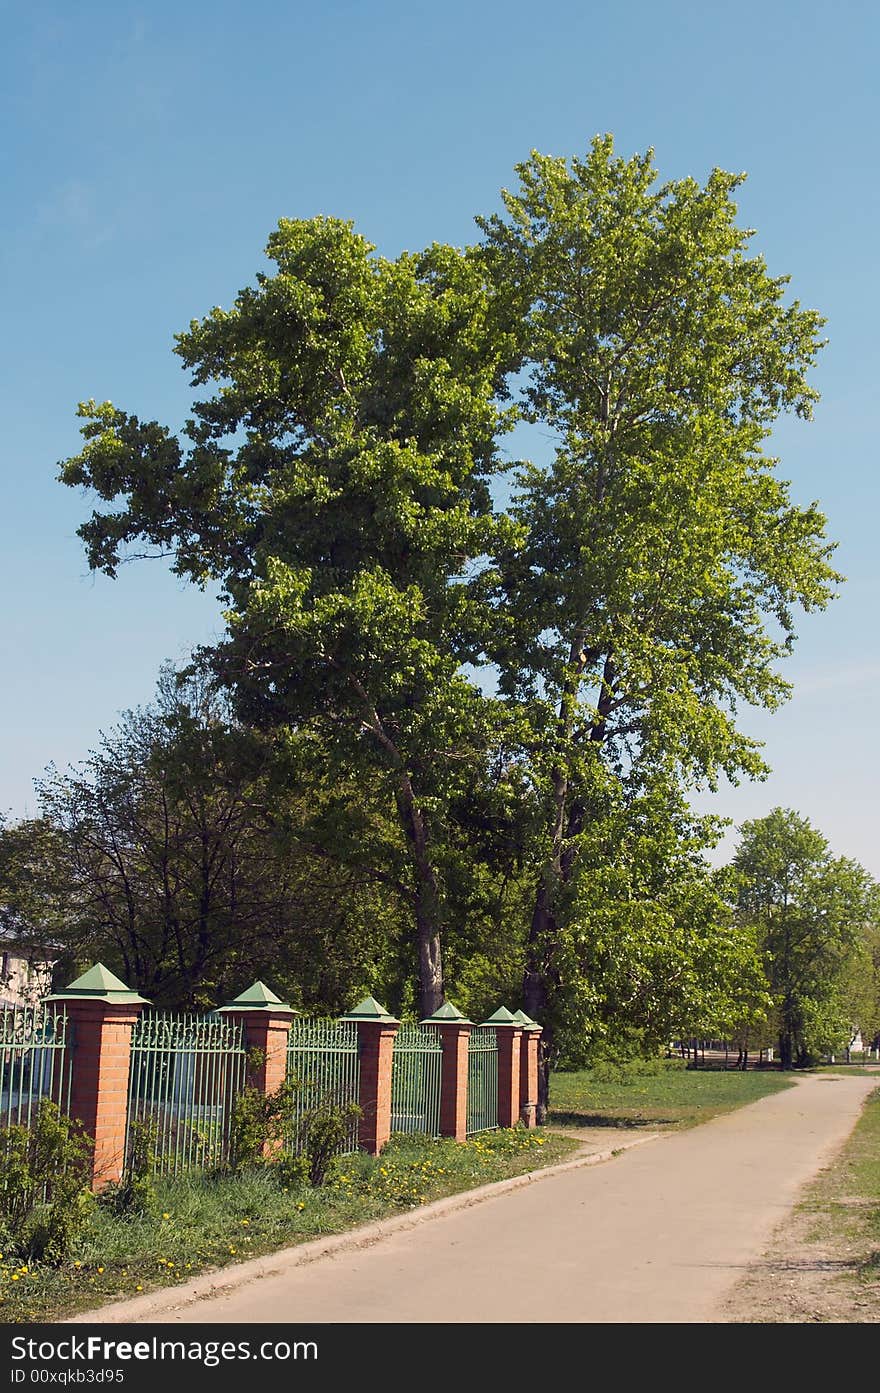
(535, 993)
(427, 901)
(431, 996)
(427, 890)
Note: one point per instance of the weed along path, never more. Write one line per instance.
(659, 1232)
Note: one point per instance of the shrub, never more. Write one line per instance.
(45, 1198)
(290, 1172)
(321, 1133)
(259, 1119)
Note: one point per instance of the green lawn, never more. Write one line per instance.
(654, 1093)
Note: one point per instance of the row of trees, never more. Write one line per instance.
(178, 853)
(482, 689)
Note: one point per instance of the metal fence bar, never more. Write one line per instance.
(186, 1071)
(324, 1066)
(35, 1061)
(415, 1080)
(482, 1100)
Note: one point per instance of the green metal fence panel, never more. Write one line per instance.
(324, 1066)
(482, 1100)
(415, 1080)
(186, 1071)
(35, 1061)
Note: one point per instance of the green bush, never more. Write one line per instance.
(45, 1198)
(290, 1172)
(259, 1119)
(321, 1133)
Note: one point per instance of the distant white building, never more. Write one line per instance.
(25, 971)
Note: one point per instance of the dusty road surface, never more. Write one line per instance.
(660, 1232)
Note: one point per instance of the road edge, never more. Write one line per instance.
(168, 1300)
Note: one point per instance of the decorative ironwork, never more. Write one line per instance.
(324, 1065)
(34, 1061)
(186, 1071)
(482, 1101)
(415, 1080)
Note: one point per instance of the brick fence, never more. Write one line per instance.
(103, 1013)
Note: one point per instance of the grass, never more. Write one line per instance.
(200, 1223)
(845, 1197)
(654, 1093)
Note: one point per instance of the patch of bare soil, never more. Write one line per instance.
(802, 1278)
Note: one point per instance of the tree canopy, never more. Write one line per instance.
(816, 917)
(530, 664)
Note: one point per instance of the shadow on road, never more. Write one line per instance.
(598, 1119)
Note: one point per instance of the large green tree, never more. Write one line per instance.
(815, 917)
(335, 480)
(651, 586)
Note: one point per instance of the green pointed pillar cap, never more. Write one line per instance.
(525, 1021)
(259, 997)
(449, 1013)
(370, 1010)
(99, 984)
(502, 1017)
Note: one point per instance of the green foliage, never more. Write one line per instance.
(322, 1131)
(180, 855)
(334, 480)
(44, 1186)
(260, 1123)
(290, 1171)
(815, 916)
(649, 584)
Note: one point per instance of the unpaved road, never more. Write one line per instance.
(661, 1232)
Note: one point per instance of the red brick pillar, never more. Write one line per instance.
(509, 1032)
(528, 1070)
(102, 1012)
(267, 1021)
(455, 1032)
(376, 1032)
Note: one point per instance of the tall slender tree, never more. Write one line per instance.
(653, 581)
(334, 480)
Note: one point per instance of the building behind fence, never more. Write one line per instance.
(110, 1060)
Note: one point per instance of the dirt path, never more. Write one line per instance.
(661, 1232)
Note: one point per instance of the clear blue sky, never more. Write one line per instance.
(148, 150)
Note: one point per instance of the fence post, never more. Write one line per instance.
(376, 1032)
(455, 1034)
(267, 1021)
(528, 1068)
(509, 1032)
(103, 1011)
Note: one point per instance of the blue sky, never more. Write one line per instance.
(147, 152)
